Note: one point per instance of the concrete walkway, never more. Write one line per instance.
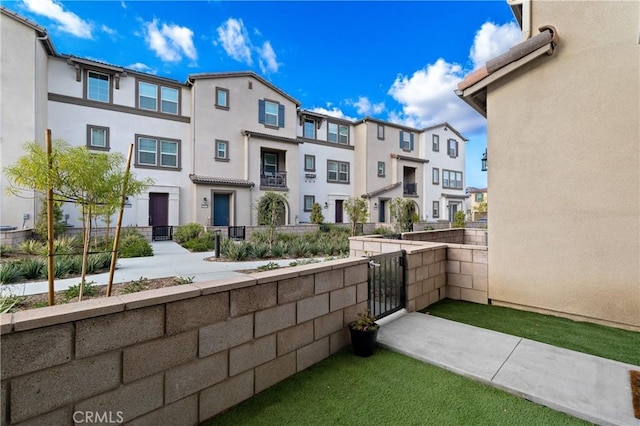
(585, 386)
(169, 260)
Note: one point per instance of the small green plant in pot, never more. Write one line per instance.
(364, 334)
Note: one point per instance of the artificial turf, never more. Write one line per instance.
(385, 389)
(607, 342)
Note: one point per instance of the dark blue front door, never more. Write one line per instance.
(220, 209)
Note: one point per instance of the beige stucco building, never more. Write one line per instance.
(563, 118)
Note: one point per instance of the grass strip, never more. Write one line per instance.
(385, 389)
(607, 342)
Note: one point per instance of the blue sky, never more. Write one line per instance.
(397, 61)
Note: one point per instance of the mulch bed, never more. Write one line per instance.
(635, 391)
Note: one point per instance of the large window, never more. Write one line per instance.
(98, 137)
(269, 164)
(338, 133)
(436, 209)
(406, 141)
(451, 179)
(435, 176)
(222, 98)
(309, 129)
(270, 113)
(309, 163)
(149, 93)
(452, 148)
(98, 86)
(308, 202)
(157, 152)
(222, 150)
(337, 171)
(435, 143)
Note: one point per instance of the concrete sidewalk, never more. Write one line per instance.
(169, 260)
(585, 386)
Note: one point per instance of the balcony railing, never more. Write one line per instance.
(274, 180)
(410, 189)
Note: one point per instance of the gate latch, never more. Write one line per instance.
(372, 264)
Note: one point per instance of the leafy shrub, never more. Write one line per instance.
(187, 232)
(459, 220)
(203, 242)
(135, 286)
(239, 252)
(9, 272)
(66, 245)
(6, 251)
(134, 246)
(260, 250)
(316, 214)
(31, 247)
(225, 245)
(279, 249)
(299, 248)
(8, 302)
(90, 289)
(59, 226)
(32, 268)
(303, 262)
(98, 261)
(258, 237)
(268, 266)
(183, 280)
(314, 249)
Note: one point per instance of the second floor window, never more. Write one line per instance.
(451, 179)
(270, 113)
(406, 141)
(435, 176)
(479, 197)
(98, 86)
(338, 133)
(222, 148)
(149, 93)
(435, 142)
(380, 131)
(337, 171)
(309, 163)
(380, 168)
(309, 129)
(453, 148)
(222, 98)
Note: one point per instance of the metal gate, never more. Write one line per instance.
(162, 233)
(386, 281)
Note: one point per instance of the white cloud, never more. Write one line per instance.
(123, 4)
(68, 22)
(139, 66)
(493, 40)
(268, 61)
(170, 42)
(365, 107)
(333, 112)
(427, 97)
(233, 36)
(108, 30)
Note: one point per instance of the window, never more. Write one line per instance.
(479, 197)
(380, 168)
(406, 141)
(222, 150)
(338, 133)
(97, 137)
(157, 152)
(98, 86)
(270, 113)
(269, 164)
(337, 171)
(436, 209)
(451, 179)
(380, 131)
(309, 200)
(453, 148)
(309, 129)
(222, 98)
(435, 142)
(309, 163)
(435, 176)
(149, 93)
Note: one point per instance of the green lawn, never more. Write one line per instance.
(606, 342)
(385, 389)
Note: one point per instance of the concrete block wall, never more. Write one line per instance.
(467, 273)
(475, 236)
(14, 238)
(453, 235)
(177, 355)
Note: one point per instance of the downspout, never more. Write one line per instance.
(36, 111)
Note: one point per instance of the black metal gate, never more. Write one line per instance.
(387, 292)
(236, 233)
(162, 233)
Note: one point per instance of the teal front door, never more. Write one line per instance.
(220, 209)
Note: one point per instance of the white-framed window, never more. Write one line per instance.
(452, 146)
(309, 163)
(149, 93)
(147, 96)
(381, 167)
(222, 150)
(157, 152)
(435, 176)
(435, 143)
(309, 200)
(436, 209)
(380, 131)
(169, 100)
(222, 98)
(269, 163)
(338, 133)
(98, 86)
(309, 129)
(337, 171)
(97, 137)
(451, 179)
(271, 113)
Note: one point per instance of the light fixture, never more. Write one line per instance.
(204, 200)
(484, 161)
(205, 203)
(375, 206)
(326, 205)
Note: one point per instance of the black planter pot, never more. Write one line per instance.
(363, 342)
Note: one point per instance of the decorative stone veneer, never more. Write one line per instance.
(180, 355)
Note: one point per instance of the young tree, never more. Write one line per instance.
(402, 212)
(358, 212)
(459, 220)
(271, 210)
(88, 179)
(316, 214)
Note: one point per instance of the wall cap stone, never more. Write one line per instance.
(158, 296)
(225, 284)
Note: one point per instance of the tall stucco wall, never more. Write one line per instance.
(564, 153)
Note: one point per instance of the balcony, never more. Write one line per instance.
(410, 189)
(273, 180)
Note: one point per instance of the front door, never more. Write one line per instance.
(158, 209)
(220, 209)
(338, 211)
(453, 209)
(381, 212)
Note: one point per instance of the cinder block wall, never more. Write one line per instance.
(14, 238)
(467, 273)
(177, 355)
